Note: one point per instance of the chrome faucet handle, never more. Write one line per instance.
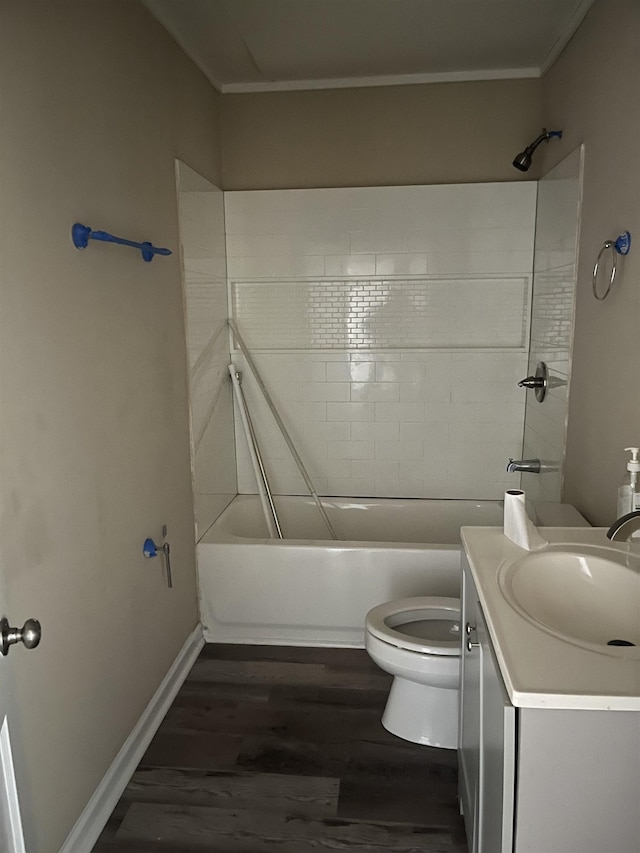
(539, 381)
(531, 382)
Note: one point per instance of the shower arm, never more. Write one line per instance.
(544, 135)
(282, 428)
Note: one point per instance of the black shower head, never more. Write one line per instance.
(522, 160)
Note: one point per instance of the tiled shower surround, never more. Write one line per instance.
(552, 323)
(204, 268)
(391, 327)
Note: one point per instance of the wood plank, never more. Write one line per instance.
(256, 672)
(124, 846)
(283, 672)
(221, 692)
(202, 750)
(295, 795)
(314, 723)
(301, 695)
(225, 719)
(434, 803)
(400, 762)
(200, 827)
(339, 658)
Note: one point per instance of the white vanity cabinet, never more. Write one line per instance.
(487, 742)
(540, 779)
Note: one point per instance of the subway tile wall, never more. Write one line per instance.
(557, 223)
(201, 207)
(435, 424)
(372, 313)
(426, 291)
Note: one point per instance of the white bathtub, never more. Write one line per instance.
(310, 590)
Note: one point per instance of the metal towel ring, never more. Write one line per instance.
(620, 246)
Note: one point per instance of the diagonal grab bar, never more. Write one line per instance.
(81, 234)
(282, 427)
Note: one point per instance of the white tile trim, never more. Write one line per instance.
(93, 819)
(378, 354)
(446, 276)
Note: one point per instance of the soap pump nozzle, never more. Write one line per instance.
(634, 463)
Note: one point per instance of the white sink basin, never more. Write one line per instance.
(586, 595)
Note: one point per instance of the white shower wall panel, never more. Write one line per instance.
(202, 240)
(460, 228)
(435, 425)
(414, 391)
(552, 319)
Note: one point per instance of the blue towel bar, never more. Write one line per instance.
(81, 234)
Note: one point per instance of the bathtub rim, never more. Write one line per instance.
(338, 544)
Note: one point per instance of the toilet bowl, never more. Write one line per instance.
(417, 640)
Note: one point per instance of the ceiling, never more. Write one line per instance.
(268, 45)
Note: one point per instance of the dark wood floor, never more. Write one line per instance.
(281, 750)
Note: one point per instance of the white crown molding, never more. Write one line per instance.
(578, 16)
(166, 16)
(167, 22)
(390, 80)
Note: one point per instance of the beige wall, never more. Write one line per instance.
(394, 135)
(96, 102)
(591, 92)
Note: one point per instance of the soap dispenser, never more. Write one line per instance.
(628, 494)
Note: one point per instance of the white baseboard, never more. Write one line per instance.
(93, 819)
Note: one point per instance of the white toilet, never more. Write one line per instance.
(417, 640)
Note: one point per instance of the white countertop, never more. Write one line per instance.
(539, 669)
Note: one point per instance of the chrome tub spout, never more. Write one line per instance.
(528, 466)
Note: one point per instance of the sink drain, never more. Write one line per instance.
(620, 643)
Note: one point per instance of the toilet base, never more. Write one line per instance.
(422, 714)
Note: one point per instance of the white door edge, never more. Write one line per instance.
(9, 791)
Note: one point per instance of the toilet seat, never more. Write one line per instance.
(385, 622)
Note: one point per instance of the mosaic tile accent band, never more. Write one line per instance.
(383, 313)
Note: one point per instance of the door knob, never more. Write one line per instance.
(29, 635)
